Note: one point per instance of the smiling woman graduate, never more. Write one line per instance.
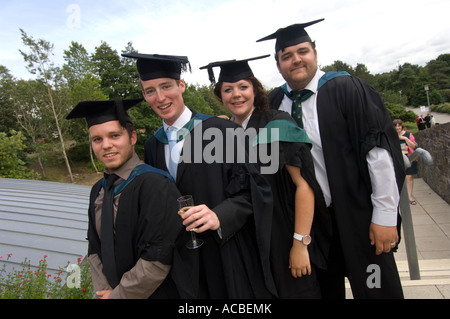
(301, 225)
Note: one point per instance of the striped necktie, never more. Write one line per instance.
(297, 98)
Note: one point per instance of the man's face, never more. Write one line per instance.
(112, 144)
(297, 64)
(165, 97)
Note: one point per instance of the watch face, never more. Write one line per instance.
(306, 240)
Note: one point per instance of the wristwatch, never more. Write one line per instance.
(305, 239)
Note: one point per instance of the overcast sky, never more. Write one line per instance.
(380, 34)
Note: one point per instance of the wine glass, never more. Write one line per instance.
(184, 203)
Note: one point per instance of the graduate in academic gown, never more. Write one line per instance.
(358, 164)
(299, 207)
(233, 202)
(132, 228)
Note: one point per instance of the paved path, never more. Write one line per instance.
(431, 222)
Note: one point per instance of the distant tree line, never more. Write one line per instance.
(33, 110)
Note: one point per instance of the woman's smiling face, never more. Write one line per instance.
(239, 99)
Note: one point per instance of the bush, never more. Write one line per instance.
(441, 108)
(12, 153)
(399, 112)
(27, 283)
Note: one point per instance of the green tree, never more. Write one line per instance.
(107, 66)
(29, 98)
(12, 157)
(362, 72)
(39, 63)
(208, 95)
(128, 86)
(8, 119)
(418, 95)
(439, 71)
(338, 66)
(78, 64)
(195, 100)
(405, 79)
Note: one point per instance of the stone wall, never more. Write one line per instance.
(436, 141)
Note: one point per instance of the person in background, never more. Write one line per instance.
(427, 120)
(358, 164)
(133, 222)
(408, 145)
(233, 203)
(421, 125)
(433, 121)
(300, 223)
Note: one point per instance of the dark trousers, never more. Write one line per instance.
(332, 280)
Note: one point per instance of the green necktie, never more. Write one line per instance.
(297, 98)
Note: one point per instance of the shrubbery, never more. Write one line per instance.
(30, 283)
(12, 155)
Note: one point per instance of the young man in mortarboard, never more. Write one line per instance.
(358, 164)
(233, 202)
(133, 220)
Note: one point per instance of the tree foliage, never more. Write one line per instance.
(40, 63)
(405, 85)
(13, 158)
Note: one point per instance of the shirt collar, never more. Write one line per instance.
(245, 123)
(181, 120)
(125, 170)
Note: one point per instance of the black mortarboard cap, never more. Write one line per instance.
(291, 35)
(231, 70)
(98, 112)
(155, 66)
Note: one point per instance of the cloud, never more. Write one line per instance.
(379, 34)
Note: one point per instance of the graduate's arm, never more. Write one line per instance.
(140, 281)
(299, 262)
(229, 216)
(385, 198)
(99, 280)
(233, 213)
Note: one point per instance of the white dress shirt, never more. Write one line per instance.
(179, 123)
(385, 196)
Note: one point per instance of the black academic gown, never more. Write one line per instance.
(352, 121)
(295, 152)
(236, 264)
(146, 224)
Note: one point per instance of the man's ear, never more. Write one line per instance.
(182, 85)
(133, 138)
